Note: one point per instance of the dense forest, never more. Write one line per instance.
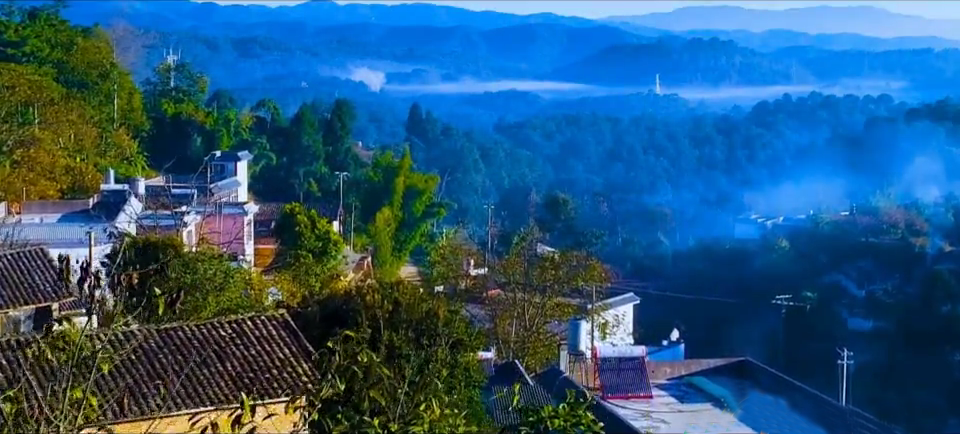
(652, 190)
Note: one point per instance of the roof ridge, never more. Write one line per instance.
(21, 249)
(280, 313)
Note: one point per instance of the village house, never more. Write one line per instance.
(730, 395)
(265, 221)
(73, 228)
(34, 293)
(212, 207)
(179, 377)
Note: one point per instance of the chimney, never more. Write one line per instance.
(110, 177)
(138, 186)
(564, 357)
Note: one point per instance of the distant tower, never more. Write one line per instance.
(171, 59)
(658, 85)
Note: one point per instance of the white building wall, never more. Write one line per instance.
(614, 327)
(127, 219)
(248, 240)
(243, 175)
(80, 254)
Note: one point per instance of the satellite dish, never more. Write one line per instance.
(675, 335)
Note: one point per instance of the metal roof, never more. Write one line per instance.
(57, 235)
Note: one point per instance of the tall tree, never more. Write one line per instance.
(174, 100)
(398, 207)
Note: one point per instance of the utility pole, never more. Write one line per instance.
(590, 314)
(340, 216)
(353, 214)
(486, 259)
(844, 361)
(89, 281)
(90, 249)
(785, 301)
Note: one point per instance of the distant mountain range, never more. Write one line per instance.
(863, 20)
(319, 49)
(835, 28)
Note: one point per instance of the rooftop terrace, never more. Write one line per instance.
(733, 396)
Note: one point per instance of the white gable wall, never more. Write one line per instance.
(613, 327)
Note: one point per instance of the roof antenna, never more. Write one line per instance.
(171, 60)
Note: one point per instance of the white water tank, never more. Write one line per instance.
(578, 341)
(138, 186)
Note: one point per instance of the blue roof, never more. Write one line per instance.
(57, 235)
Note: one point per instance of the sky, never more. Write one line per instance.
(599, 8)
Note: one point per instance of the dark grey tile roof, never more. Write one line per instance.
(545, 388)
(72, 306)
(500, 394)
(181, 367)
(270, 211)
(29, 277)
(558, 383)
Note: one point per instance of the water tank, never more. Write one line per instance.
(577, 339)
(138, 186)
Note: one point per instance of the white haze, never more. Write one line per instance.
(374, 75)
(801, 197)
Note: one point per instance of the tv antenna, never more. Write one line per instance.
(171, 60)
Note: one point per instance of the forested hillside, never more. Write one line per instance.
(649, 183)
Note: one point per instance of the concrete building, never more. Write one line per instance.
(614, 324)
(727, 396)
(64, 227)
(211, 207)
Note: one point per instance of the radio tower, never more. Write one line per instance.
(658, 85)
(171, 60)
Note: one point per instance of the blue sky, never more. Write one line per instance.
(598, 8)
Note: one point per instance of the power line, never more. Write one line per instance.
(674, 294)
(844, 361)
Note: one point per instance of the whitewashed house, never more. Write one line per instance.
(613, 325)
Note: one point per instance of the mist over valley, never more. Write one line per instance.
(717, 160)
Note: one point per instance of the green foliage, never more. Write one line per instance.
(311, 251)
(573, 416)
(396, 359)
(67, 109)
(538, 291)
(306, 236)
(67, 403)
(398, 206)
(156, 281)
(447, 261)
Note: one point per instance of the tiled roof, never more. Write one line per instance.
(73, 305)
(57, 235)
(500, 393)
(181, 367)
(270, 211)
(29, 277)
